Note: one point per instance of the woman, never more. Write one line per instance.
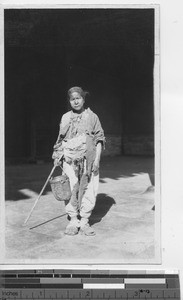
(80, 143)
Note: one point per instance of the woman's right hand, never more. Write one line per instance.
(57, 162)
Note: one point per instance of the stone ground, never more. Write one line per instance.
(124, 218)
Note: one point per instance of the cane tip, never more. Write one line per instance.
(24, 223)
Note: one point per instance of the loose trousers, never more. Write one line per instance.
(89, 198)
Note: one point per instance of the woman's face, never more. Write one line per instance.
(76, 102)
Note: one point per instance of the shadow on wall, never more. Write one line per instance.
(32, 177)
(126, 166)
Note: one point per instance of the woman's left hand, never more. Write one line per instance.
(96, 167)
(97, 159)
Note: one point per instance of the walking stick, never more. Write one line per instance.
(41, 191)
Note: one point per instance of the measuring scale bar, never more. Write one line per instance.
(91, 285)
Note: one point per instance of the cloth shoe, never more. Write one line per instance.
(85, 228)
(73, 227)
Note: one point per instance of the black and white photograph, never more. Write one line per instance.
(82, 135)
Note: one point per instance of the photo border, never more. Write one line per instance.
(157, 123)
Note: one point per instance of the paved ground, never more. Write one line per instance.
(123, 217)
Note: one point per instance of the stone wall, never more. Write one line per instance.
(113, 145)
(138, 145)
(129, 145)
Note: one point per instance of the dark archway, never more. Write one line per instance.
(110, 52)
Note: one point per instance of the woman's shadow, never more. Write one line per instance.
(102, 206)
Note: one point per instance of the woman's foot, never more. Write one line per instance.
(85, 228)
(73, 227)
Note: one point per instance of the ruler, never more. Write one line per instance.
(89, 284)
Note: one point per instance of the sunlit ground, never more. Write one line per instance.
(123, 218)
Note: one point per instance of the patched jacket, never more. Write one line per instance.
(89, 124)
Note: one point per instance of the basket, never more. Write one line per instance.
(60, 186)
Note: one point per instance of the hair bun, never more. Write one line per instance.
(79, 90)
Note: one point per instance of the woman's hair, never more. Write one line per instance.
(77, 89)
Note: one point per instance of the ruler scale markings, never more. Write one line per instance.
(139, 293)
(97, 294)
(27, 293)
(145, 286)
(145, 296)
(74, 294)
(157, 293)
(103, 284)
(121, 294)
(39, 294)
(135, 294)
(61, 294)
(169, 293)
(50, 294)
(109, 294)
(177, 293)
(86, 294)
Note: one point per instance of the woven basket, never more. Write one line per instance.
(60, 186)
